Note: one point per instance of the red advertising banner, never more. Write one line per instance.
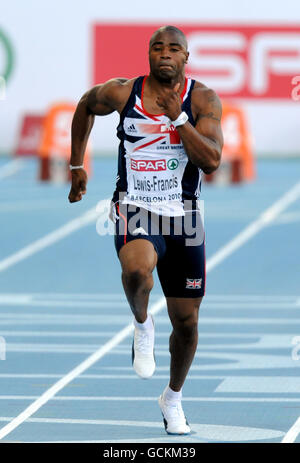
(30, 135)
(237, 61)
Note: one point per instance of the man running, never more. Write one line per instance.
(169, 134)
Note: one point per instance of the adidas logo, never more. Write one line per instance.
(131, 128)
(139, 231)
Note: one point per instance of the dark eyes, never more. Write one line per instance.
(172, 49)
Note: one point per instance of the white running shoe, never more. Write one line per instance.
(143, 359)
(174, 419)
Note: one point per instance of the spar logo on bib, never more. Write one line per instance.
(144, 165)
(173, 164)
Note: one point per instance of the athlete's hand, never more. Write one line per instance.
(170, 102)
(78, 187)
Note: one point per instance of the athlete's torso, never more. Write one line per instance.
(154, 171)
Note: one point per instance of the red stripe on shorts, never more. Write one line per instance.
(125, 223)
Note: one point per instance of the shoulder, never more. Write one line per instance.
(120, 83)
(203, 96)
(116, 88)
(113, 93)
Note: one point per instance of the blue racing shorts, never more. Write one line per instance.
(178, 241)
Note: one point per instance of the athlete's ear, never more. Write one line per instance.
(187, 56)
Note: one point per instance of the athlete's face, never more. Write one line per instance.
(167, 56)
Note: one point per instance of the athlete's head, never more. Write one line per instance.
(168, 53)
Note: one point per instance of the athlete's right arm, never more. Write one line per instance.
(100, 100)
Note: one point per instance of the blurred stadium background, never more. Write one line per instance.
(51, 52)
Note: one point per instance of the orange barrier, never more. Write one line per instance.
(237, 151)
(55, 146)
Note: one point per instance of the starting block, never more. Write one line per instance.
(55, 146)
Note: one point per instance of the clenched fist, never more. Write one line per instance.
(170, 102)
(78, 187)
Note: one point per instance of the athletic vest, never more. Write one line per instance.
(154, 171)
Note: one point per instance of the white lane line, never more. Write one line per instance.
(64, 334)
(98, 376)
(51, 238)
(251, 305)
(229, 384)
(26, 298)
(13, 297)
(264, 219)
(51, 316)
(11, 168)
(165, 439)
(237, 361)
(292, 433)
(151, 399)
(122, 304)
(251, 297)
(50, 393)
(287, 218)
(118, 320)
(91, 334)
(201, 432)
(270, 342)
(74, 304)
(152, 424)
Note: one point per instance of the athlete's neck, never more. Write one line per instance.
(156, 85)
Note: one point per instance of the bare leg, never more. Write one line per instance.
(138, 259)
(183, 313)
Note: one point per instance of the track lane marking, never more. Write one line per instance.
(292, 433)
(240, 239)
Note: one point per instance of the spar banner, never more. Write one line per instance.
(237, 61)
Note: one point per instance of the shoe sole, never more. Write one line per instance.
(166, 424)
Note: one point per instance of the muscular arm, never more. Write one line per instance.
(202, 143)
(101, 100)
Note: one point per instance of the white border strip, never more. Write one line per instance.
(292, 433)
(153, 399)
(264, 219)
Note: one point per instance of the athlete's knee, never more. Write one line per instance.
(186, 327)
(138, 277)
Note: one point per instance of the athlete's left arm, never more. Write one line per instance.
(204, 142)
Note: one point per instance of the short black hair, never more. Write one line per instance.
(170, 29)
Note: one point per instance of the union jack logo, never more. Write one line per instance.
(193, 284)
